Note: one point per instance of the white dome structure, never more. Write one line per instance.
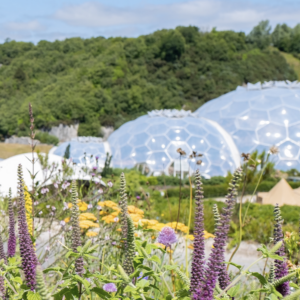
(259, 116)
(9, 175)
(151, 141)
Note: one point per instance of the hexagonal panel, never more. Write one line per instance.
(140, 154)
(158, 143)
(139, 139)
(284, 115)
(271, 134)
(157, 129)
(252, 119)
(177, 134)
(245, 140)
(125, 151)
(198, 144)
(288, 150)
(194, 129)
(234, 109)
(294, 132)
(266, 102)
(158, 161)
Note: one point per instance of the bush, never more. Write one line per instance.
(46, 138)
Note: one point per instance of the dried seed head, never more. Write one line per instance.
(245, 156)
(274, 150)
(199, 162)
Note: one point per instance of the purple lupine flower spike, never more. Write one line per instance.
(11, 248)
(197, 276)
(281, 268)
(29, 259)
(215, 264)
(2, 257)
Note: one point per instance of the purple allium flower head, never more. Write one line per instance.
(11, 248)
(197, 276)
(93, 174)
(138, 197)
(95, 168)
(167, 236)
(110, 287)
(216, 269)
(97, 157)
(281, 268)
(29, 259)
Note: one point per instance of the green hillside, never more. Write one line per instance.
(110, 81)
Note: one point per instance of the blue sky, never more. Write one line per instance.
(35, 20)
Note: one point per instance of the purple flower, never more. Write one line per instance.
(110, 287)
(93, 174)
(138, 197)
(11, 251)
(97, 157)
(198, 261)
(56, 184)
(114, 243)
(281, 268)
(167, 236)
(95, 168)
(216, 269)
(29, 259)
(110, 184)
(44, 190)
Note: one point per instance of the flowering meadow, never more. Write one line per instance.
(75, 239)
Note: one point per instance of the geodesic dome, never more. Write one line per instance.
(259, 116)
(84, 150)
(151, 142)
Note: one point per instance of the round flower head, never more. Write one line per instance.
(167, 237)
(110, 287)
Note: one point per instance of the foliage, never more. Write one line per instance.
(110, 81)
(46, 138)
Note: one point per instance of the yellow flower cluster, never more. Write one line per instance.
(91, 233)
(81, 204)
(28, 208)
(86, 221)
(180, 226)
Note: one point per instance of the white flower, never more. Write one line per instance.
(90, 206)
(53, 208)
(47, 206)
(116, 219)
(56, 184)
(65, 206)
(62, 223)
(40, 212)
(99, 207)
(106, 238)
(100, 191)
(36, 203)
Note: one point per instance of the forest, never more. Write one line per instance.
(108, 81)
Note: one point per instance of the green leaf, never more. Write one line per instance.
(294, 285)
(234, 290)
(33, 296)
(129, 289)
(101, 293)
(142, 283)
(235, 265)
(17, 279)
(156, 259)
(261, 278)
(84, 282)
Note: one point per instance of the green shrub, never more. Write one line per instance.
(46, 138)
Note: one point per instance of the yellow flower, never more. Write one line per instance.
(85, 224)
(87, 216)
(67, 220)
(82, 205)
(191, 247)
(190, 237)
(208, 235)
(134, 210)
(91, 233)
(70, 205)
(28, 208)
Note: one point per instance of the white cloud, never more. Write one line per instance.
(25, 26)
(231, 14)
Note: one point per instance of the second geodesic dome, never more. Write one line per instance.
(151, 141)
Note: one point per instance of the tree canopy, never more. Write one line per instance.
(107, 82)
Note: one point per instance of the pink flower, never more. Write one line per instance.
(110, 184)
(56, 184)
(44, 190)
(100, 191)
(65, 185)
(93, 174)
(95, 168)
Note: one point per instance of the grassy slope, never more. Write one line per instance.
(292, 61)
(8, 150)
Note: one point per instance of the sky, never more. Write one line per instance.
(35, 20)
